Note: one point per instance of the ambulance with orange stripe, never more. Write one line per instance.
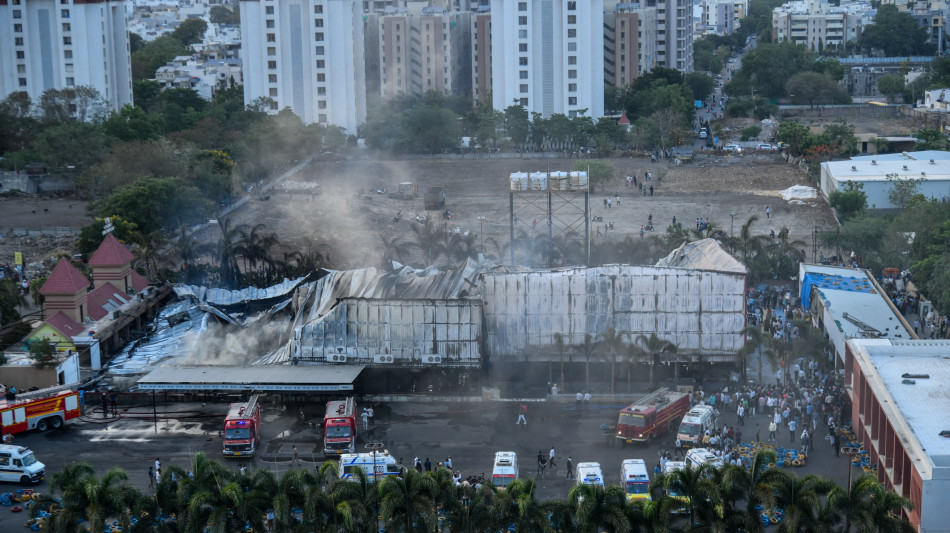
(505, 470)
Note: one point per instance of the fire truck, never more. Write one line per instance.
(242, 428)
(652, 415)
(339, 427)
(40, 410)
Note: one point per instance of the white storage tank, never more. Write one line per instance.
(558, 181)
(539, 181)
(578, 180)
(518, 181)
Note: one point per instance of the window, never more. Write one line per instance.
(321, 77)
(21, 69)
(571, 60)
(20, 54)
(273, 105)
(18, 28)
(522, 6)
(318, 37)
(272, 78)
(17, 14)
(273, 91)
(69, 68)
(272, 50)
(524, 102)
(321, 104)
(70, 81)
(523, 74)
(317, 10)
(321, 91)
(523, 61)
(571, 47)
(22, 82)
(67, 54)
(321, 63)
(322, 117)
(572, 74)
(523, 87)
(67, 27)
(18, 41)
(522, 34)
(572, 6)
(269, 10)
(271, 37)
(572, 19)
(319, 50)
(572, 87)
(572, 100)
(272, 65)
(317, 23)
(571, 33)
(523, 20)
(64, 13)
(522, 47)
(67, 41)
(270, 23)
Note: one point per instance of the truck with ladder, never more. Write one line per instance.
(652, 415)
(242, 428)
(339, 427)
(43, 409)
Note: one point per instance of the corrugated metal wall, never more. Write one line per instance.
(397, 332)
(702, 312)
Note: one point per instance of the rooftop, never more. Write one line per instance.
(877, 169)
(255, 377)
(912, 404)
(111, 253)
(853, 301)
(64, 279)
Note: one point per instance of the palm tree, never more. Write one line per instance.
(560, 348)
(394, 249)
(407, 502)
(87, 502)
(430, 239)
(758, 342)
(470, 512)
(517, 506)
(655, 348)
(587, 349)
(288, 493)
(801, 499)
(598, 508)
(695, 484)
(752, 485)
(228, 248)
(885, 508)
(612, 345)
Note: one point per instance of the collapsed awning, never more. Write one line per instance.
(265, 378)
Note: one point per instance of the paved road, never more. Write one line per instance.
(470, 432)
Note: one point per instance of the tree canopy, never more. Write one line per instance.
(896, 33)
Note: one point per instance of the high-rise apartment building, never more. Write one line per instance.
(818, 24)
(58, 44)
(548, 56)
(481, 55)
(629, 43)
(429, 51)
(306, 55)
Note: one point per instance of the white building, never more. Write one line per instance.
(47, 44)
(206, 76)
(306, 55)
(548, 56)
(817, 24)
(932, 168)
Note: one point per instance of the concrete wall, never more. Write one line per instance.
(22, 374)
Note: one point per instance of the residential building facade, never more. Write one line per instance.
(47, 44)
(818, 24)
(629, 43)
(306, 55)
(481, 55)
(547, 56)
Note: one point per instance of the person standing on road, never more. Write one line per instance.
(158, 465)
(428, 465)
(678, 449)
(369, 412)
(740, 411)
(791, 429)
(151, 477)
(105, 407)
(772, 428)
(542, 463)
(577, 403)
(296, 458)
(551, 462)
(586, 400)
(365, 417)
(570, 468)
(768, 212)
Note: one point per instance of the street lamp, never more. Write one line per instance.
(481, 233)
(375, 445)
(732, 223)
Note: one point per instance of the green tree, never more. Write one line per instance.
(154, 203)
(599, 508)
(190, 31)
(767, 68)
(87, 502)
(90, 237)
(700, 84)
(517, 124)
(431, 129)
(931, 139)
(850, 201)
(655, 348)
(599, 172)
(154, 54)
(133, 124)
(10, 301)
(76, 144)
(890, 85)
(758, 342)
(903, 190)
(896, 33)
(801, 498)
(406, 502)
(814, 89)
(41, 352)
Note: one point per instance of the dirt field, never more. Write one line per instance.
(351, 217)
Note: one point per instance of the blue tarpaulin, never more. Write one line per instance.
(827, 281)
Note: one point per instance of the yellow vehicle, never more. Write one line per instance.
(636, 480)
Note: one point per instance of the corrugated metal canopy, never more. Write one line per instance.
(282, 378)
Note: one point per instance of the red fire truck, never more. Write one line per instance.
(40, 410)
(242, 428)
(339, 427)
(652, 415)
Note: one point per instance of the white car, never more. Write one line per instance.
(732, 148)
(765, 146)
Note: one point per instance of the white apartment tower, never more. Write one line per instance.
(548, 56)
(306, 55)
(58, 44)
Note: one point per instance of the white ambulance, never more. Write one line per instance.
(698, 457)
(589, 474)
(505, 470)
(384, 462)
(672, 466)
(18, 465)
(695, 423)
(636, 480)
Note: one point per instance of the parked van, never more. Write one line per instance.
(589, 474)
(697, 421)
(635, 479)
(698, 457)
(374, 465)
(672, 466)
(17, 464)
(505, 470)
